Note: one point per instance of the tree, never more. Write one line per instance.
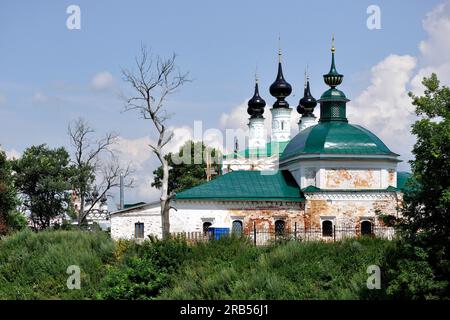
(8, 199)
(426, 216)
(42, 177)
(428, 207)
(190, 173)
(96, 168)
(152, 83)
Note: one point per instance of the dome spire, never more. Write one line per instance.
(333, 78)
(280, 89)
(333, 101)
(307, 104)
(256, 104)
(279, 49)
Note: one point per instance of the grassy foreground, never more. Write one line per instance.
(33, 266)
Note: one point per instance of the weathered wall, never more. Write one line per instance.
(352, 179)
(349, 209)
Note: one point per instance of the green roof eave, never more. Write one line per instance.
(297, 199)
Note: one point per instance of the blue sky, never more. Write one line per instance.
(46, 70)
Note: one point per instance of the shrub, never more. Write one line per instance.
(142, 270)
(409, 274)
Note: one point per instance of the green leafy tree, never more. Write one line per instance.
(42, 176)
(425, 220)
(192, 169)
(428, 207)
(8, 199)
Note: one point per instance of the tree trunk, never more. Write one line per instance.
(81, 212)
(165, 201)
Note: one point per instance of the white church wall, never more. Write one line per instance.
(123, 223)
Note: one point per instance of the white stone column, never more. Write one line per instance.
(306, 122)
(281, 124)
(257, 133)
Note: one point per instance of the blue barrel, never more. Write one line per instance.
(218, 233)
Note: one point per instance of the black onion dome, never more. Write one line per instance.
(280, 89)
(307, 103)
(256, 104)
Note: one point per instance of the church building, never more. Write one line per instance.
(331, 176)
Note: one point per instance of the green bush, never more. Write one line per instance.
(409, 275)
(142, 270)
(34, 265)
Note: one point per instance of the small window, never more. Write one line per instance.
(327, 228)
(366, 228)
(237, 227)
(280, 227)
(282, 125)
(206, 226)
(139, 230)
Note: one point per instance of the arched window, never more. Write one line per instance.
(237, 227)
(366, 228)
(327, 228)
(206, 226)
(280, 226)
(282, 125)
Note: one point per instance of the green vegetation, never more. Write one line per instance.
(42, 177)
(33, 266)
(8, 197)
(187, 171)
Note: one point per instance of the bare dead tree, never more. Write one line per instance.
(95, 166)
(153, 82)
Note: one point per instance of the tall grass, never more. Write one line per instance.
(33, 265)
(234, 269)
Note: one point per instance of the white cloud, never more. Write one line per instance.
(102, 81)
(12, 153)
(385, 108)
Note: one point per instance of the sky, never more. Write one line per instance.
(51, 75)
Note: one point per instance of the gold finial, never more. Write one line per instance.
(333, 49)
(279, 48)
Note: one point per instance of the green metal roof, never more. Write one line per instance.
(131, 205)
(270, 149)
(333, 94)
(247, 185)
(336, 138)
